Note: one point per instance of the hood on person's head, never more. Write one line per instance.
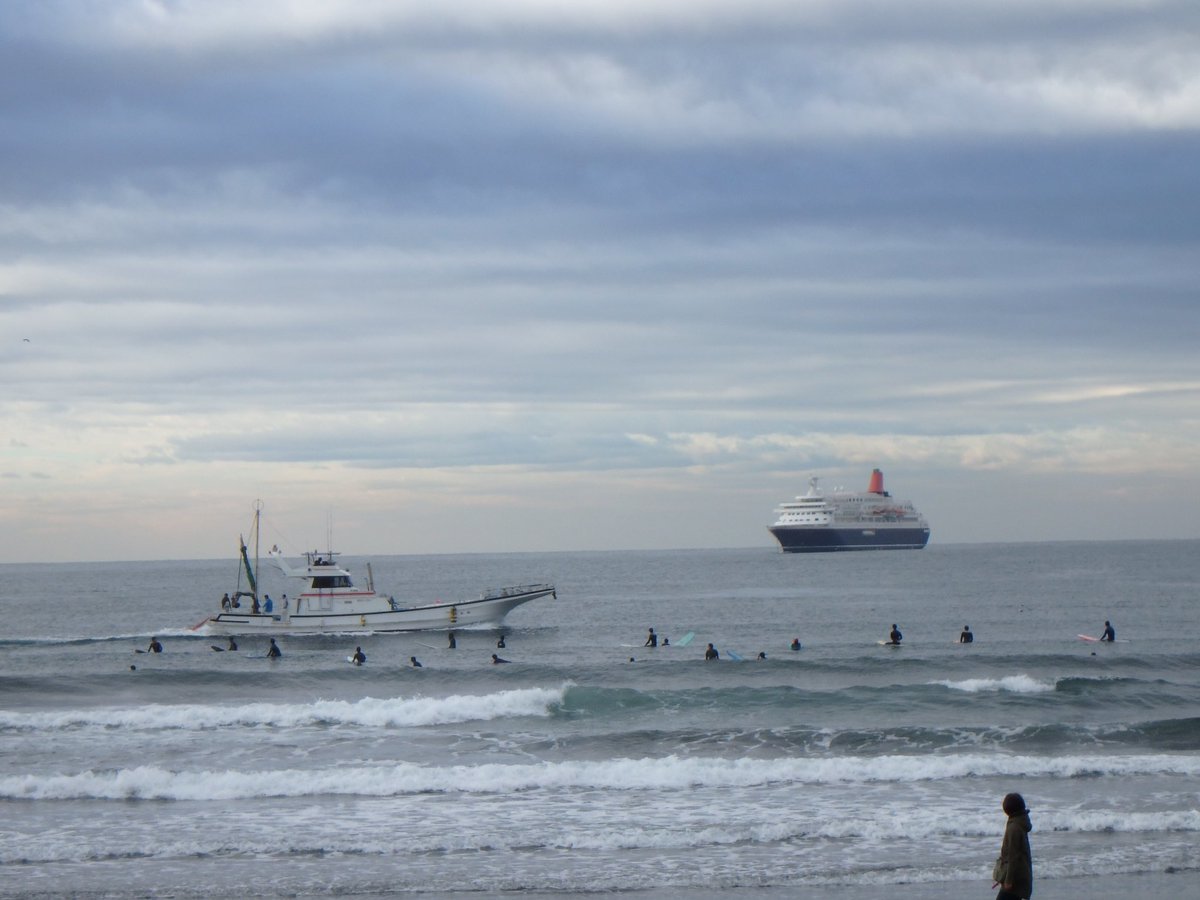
(1013, 806)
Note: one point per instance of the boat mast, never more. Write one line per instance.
(258, 505)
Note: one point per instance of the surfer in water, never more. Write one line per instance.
(500, 643)
(651, 639)
(894, 636)
(966, 637)
(497, 660)
(155, 646)
(232, 644)
(416, 663)
(359, 657)
(711, 653)
(273, 652)
(795, 645)
(453, 643)
(1110, 633)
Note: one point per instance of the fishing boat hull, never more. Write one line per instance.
(368, 613)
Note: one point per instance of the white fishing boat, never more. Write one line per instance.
(329, 602)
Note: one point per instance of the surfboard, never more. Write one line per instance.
(218, 649)
(734, 656)
(886, 644)
(352, 661)
(686, 639)
(1096, 640)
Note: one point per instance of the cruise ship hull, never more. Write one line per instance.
(822, 539)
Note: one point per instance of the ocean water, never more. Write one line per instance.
(592, 764)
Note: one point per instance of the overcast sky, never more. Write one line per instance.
(531, 275)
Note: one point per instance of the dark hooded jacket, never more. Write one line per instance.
(1016, 863)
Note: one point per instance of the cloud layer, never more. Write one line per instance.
(508, 276)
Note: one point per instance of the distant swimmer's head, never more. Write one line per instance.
(1014, 805)
(893, 624)
(133, 668)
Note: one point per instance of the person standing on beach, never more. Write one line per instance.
(1014, 869)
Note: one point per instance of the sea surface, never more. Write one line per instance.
(592, 764)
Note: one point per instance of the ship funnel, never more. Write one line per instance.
(876, 485)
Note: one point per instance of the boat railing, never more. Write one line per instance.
(514, 591)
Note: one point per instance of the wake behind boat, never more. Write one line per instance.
(329, 601)
(849, 520)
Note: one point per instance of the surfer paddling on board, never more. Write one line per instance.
(1110, 633)
(894, 636)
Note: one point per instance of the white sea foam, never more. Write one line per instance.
(659, 774)
(386, 712)
(1017, 684)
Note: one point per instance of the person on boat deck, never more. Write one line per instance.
(155, 646)
(359, 657)
(894, 636)
(453, 643)
(966, 637)
(268, 606)
(232, 644)
(795, 643)
(226, 603)
(416, 663)
(711, 653)
(273, 652)
(651, 639)
(284, 604)
(500, 643)
(497, 660)
(1110, 633)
